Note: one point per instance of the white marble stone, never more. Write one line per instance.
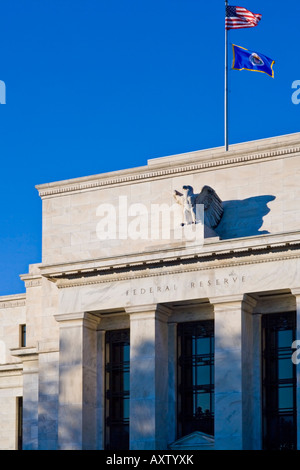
(85, 287)
(233, 377)
(77, 409)
(148, 378)
(255, 197)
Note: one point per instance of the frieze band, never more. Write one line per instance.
(229, 281)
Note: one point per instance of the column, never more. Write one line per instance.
(257, 383)
(296, 293)
(232, 388)
(30, 400)
(148, 377)
(48, 395)
(251, 376)
(77, 409)
(172, 382)
(101, 390)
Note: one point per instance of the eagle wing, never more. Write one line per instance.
(178, 197)
(213, 207)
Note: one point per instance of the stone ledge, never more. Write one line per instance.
(247, 246)
(11, 369)
(26, 352)
(244, 153)
(12, 301)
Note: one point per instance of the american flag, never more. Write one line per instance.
(239, 17)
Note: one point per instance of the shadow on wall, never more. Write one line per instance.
(244, 218)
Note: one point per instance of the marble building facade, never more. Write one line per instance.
(148, 343)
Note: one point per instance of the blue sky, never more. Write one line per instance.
(100, 85)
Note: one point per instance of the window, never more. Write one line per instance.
(19, 423)
(117, 390)
(196, 377)
(22, 336)
(279, 382)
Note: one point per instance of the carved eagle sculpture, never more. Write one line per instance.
(213, 208)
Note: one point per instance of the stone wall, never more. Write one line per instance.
(257, 181)
(12, 315)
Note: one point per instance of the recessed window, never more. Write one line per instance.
(22, 336)
(19, 423)
(117, 389)
(196, 377)
(279, 382)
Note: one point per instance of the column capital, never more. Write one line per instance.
(150, 310)
(296, 292)
(78, 318)
(244, 301)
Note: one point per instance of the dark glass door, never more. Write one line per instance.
(196, 377)
(279, 382)
(117, 389)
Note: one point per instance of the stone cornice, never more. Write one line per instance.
(211, 248)
(31, 281)
(14, 368)
(12, 301)
(97, 279)
(31, 352)
(178, 165)
(232, 256)
(27, 353)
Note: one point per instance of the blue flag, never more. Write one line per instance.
(243, 59)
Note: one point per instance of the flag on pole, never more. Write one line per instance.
(244, 59)
(239, 17)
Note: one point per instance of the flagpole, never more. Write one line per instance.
(226, 84)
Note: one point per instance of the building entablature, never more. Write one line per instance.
(212, 255)
(175, 165)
